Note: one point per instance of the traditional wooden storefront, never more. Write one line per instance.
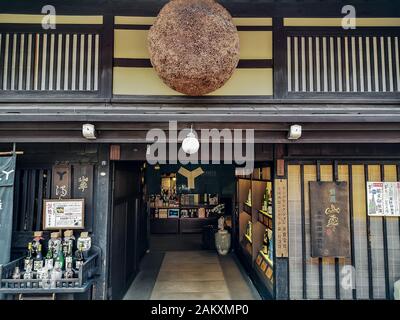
(297, 66)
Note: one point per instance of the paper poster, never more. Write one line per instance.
(383, 199)
(63, 214)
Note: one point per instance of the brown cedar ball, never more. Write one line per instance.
(194, 46)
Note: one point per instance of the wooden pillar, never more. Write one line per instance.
(101, 234)
(281, 224)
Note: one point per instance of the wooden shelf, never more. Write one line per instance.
(268, 283)
(248, 239)
(267, 259)
(255, 179)
(188, 218)
(265, 213)
(247, 208)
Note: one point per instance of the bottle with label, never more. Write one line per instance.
(269, 202)
(67, 250)
(55, 244)
(37, 240)
(28, 261)
(16, 274)
(79, 259)
(49, 261)
(28, 274)
(60, 260)
(38, 261)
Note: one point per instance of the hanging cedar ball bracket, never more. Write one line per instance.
(194, 46)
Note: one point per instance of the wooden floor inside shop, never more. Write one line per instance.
(191, 275)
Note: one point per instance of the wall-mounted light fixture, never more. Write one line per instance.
(89, 131)
(294, 132)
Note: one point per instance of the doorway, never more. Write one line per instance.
(162, 237)
(128, 241)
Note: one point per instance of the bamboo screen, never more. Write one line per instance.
(375, 241)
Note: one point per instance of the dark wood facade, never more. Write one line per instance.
(352, 120)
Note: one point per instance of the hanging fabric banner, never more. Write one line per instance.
(7, 175)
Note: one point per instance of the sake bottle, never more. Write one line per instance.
(28, 261)
(60, 260)
(79, 259)
(38, 262)
(49, 261)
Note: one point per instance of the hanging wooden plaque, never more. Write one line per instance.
(61, 182)
(281, 219)
(330, 222)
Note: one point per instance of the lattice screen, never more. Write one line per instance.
(343, 64)
(49, 62)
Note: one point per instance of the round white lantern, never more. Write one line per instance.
(190, 144)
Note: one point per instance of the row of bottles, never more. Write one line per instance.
(60, 259)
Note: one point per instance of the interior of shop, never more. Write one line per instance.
(175, 211)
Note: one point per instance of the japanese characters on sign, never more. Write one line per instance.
(7, 177)
(281, 218)
(61, 186)
(63, 214)
(330, 230)
(383, 199)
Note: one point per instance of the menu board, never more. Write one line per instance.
(383, 199)
(63, 214)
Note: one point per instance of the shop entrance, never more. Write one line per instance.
(185, 203)
(164, 220)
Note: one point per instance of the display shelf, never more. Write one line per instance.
(266, 258)
(167, 207)
(196, 206)
(248, 239)
(247, 208)
(266, 220)
(264, 273)
(265, 213)
(84, 280)
(264, 224)
(195, 218)
(247, 250)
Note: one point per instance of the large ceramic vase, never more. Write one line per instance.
(223, 242)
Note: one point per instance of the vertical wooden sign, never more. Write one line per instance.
(281, 219)
(61, 182)
(83, 189)
(330, 221)
(280, 168)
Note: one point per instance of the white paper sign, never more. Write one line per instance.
(383, 199)
(63, 214)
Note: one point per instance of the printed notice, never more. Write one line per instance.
(63, 214)
(383, 199)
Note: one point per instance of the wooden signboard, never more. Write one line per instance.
(330, 222)
(61, 182)
(83, 189)
(63, 214)
(281, 219)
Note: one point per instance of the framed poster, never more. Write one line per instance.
(330, 220)
(63, 214)
(383, 199)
